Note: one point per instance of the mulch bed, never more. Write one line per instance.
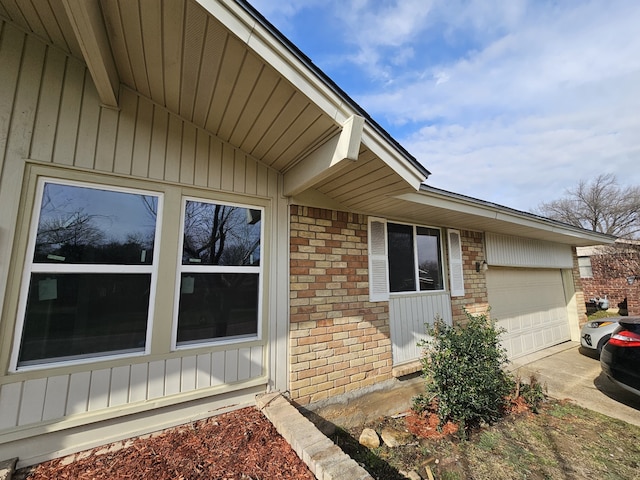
(239, 445)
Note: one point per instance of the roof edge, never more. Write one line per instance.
(571, 230)
(329, 83)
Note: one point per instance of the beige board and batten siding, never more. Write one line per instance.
(409, 314)
(52, 124)
(527, 292)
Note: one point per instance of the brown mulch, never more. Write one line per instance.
(239, 445)
(425, 425)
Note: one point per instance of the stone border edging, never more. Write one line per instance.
(325, 459)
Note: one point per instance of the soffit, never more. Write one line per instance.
(431, 208)
(242, 86)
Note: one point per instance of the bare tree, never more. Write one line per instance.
(600, 205)
(619, 260)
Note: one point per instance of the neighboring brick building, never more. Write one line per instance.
(611, 271)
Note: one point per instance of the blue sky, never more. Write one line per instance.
(510, 101)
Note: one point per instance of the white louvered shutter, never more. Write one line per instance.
(378, 277)
(456, 274)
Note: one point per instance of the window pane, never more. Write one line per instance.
(89, 225)
(401, 258)
(221, 235)
(81, 315)
(217, 305)
(429, 264)
(584, 264)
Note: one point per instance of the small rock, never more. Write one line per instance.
(369, 438)
(394, 438)
(413, 475)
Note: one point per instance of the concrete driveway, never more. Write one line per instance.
(571, 372)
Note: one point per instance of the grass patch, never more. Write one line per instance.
(562, 441)
(602, 314)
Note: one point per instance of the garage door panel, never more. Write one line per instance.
(530, 305)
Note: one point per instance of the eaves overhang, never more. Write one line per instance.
(469, 213)
(266, 40)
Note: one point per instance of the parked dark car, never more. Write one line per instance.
(620, 357)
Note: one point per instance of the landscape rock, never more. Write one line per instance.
(369, 438)
(394, 438)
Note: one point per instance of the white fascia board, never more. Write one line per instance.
(447, 204)
(513, 217)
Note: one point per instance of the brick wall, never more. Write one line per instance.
(579, 289)
(475, 299)
(339, 340)
(612, 282)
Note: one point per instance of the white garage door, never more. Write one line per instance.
(530, 305)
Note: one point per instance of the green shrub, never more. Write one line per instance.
(463, 367)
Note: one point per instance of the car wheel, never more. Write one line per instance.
(603, 341)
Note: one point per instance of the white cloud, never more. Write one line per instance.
(511, 102)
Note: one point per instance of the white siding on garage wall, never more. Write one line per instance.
(507, 251)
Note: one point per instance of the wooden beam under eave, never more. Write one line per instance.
(328, 159)
(86, 19)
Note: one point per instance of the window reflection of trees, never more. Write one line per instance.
(72, 229)
(221, 235)
(217, 302)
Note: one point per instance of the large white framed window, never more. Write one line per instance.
(219, 287)
(90, 274)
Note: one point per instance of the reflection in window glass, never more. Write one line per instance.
(75, 315)
(95, 226)
(410, 246)
(220, 272)
(221, 235)
(429, 270)
(217, 305)
(402, 274)
(91, 277)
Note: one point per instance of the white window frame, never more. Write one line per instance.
(584, 265)
(456, 263)
(379, 287)
(31, 267)
(197, 268)
(416, 272)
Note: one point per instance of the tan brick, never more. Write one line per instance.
(299, 367)
(299, 350)
(320, 362)
(310, 390)
(305, 357)
(297, 385)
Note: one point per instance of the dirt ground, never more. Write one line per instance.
(239, 445)
(563, 441)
